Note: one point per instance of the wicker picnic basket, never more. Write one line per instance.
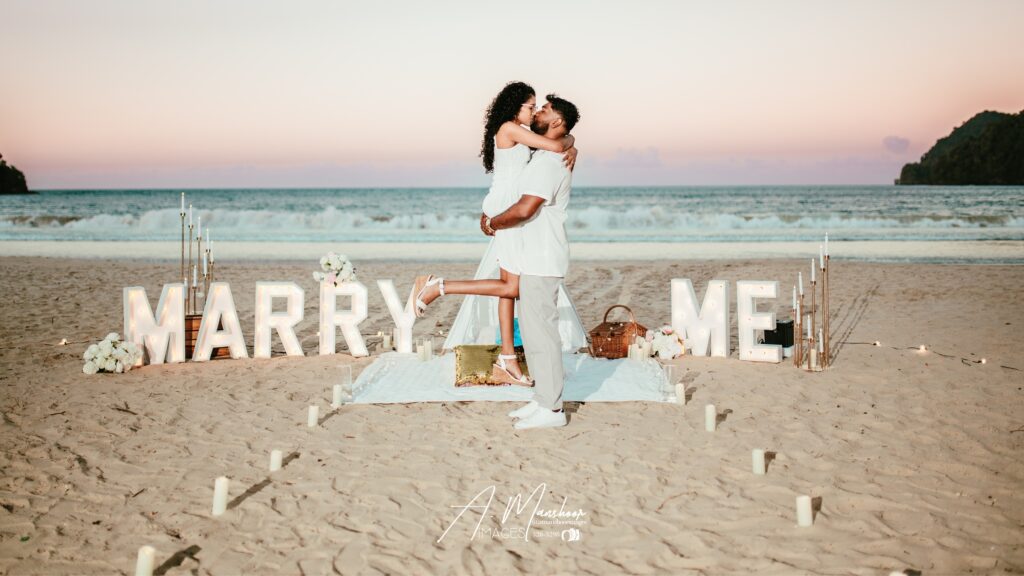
(612, 339)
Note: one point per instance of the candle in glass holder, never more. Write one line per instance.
(681, 393)
(421, 351)
(275, 460)
(336, 399)
(313, 416)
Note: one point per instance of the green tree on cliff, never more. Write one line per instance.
(988, 149)
(12, 181)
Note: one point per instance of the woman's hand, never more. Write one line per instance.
(483, 226)
(570, 158)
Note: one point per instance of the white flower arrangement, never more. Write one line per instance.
(667, 343)
(111, 355)
(335, 268)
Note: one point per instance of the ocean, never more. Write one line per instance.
(612, 214)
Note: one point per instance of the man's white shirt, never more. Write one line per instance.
(545, 243)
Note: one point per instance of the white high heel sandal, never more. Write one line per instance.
(422, 283)
(502, 375)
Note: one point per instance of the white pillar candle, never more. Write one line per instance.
(313, 417)
(275, 460)
(800, 282)
(681, 393)
(220, 495)
(804, 513)
(189, 214)
(421, 351)
(182, 203)
(757, 457)
(199, 227)
(336, 400)
(794, 297)
(812, 270)
(147, 559)
(826, 243)
(821, 257)
(710, 418)
(205, 273)
(195, 275)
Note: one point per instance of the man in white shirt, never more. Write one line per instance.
(545, 186)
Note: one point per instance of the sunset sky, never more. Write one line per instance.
(105, 94)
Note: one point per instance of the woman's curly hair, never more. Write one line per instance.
(504, 108)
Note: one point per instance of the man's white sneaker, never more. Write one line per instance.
(524, 410)
(542, 418)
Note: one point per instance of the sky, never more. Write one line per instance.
(205, 93)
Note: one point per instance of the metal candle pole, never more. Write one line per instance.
(811, 350)
(800, 333)
(824, 297)
(189, 304)
(182, 273)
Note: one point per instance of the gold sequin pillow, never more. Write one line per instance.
(474, 364)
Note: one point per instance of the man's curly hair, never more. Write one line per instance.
(567, 110)
(504, 108)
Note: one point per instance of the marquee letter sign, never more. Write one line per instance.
(347, 320)
(155, 338)
(404, 318)
(283, 322)
(220, 308)
(709, 325)
(748, 320)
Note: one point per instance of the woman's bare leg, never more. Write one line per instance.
(506, 319)
(502, 288)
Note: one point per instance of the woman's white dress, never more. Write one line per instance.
(477, 321)
(509, 163)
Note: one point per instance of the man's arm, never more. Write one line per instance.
(518, 213)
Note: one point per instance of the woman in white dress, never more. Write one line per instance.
(506, 152)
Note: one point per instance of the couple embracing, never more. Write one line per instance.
(525, 213)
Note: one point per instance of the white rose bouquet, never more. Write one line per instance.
(111, 355)
(667, 343)
(335, 268)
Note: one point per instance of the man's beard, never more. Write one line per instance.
(539, 128)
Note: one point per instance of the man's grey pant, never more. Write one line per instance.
(538, 320)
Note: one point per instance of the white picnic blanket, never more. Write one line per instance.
(399, 378)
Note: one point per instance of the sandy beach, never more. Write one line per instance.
(917, 458)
